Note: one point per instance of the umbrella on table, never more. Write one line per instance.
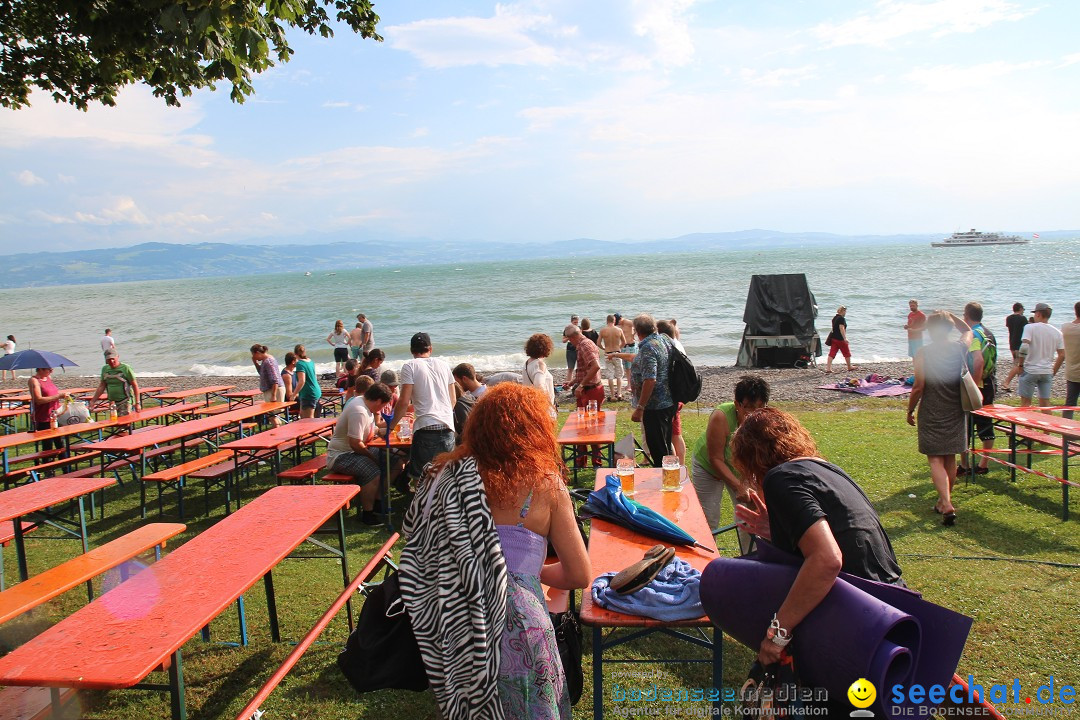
(31, 359)
(610, 504)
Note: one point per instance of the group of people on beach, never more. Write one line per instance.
(1038, 350)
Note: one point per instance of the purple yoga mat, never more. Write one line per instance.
(861, 629)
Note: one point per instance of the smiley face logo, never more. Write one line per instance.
(862, 693)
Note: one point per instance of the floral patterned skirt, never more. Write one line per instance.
(532, 684)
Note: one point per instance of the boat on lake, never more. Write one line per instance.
(973, 238)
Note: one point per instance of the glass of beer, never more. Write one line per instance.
(590, 409)
(581, 413)
(624, 468)
(672, 474)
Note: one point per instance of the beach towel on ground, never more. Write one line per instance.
(672, 595)
(889, 388)
(453, 580)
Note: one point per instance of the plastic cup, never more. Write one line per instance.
(624, 468)
(672, 474)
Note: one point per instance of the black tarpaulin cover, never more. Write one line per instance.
(781, 305)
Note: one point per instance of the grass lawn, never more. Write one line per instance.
(1025, 612)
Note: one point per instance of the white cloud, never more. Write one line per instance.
(121, 210)
(893, 19)
(502, 39)
(28, 178)
(335, 104)
(65, 179)
(665, 22)
(420, 132)
(949, 78)
(779, 76)
(139, 120)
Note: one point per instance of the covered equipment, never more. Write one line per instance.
(779, 317)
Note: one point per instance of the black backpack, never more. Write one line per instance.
(683, 377)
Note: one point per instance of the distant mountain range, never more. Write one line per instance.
(163, 261)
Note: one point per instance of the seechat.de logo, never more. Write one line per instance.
(862, 694)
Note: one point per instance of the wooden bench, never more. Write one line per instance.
(381, 560)
(305, 471)
(43, 587)
(34, 456)
(33, 703)
(175, 475)
(222, 473)
(213, 410)
(31, 472)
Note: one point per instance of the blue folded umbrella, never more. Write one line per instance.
(32, 359)
(610, 504)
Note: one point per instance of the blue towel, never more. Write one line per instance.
(672, 595)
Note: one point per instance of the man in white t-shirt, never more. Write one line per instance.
(428, 385)
(107, 342)
(348, 452)
(1042, 350)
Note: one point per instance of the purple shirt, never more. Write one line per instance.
(269, 375)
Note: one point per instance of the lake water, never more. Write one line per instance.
(483, 313)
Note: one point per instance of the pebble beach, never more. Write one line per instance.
(789, 385)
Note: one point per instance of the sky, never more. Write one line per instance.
(548, 120)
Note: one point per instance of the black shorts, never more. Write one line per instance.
(984, 425)
(341, 354)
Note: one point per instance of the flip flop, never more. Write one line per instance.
(641, 573)
(948, 519)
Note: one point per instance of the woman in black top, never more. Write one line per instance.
(1015, 323)
(839, 341)
(811, 508)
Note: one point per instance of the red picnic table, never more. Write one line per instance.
(1034, 425)
(252, 447)
(182, 395)
(117, 640)
(242, 397)
(151, 390)
(33, 502)
(577, 435)
(24, 397)
(64, 432)
(613, 547)
(9, 418)
(122, 446)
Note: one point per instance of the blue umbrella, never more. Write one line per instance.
(610, 504)
(31, 359)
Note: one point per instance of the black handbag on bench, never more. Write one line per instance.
(382, 651)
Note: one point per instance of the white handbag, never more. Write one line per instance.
(73, 412)
(970, 394)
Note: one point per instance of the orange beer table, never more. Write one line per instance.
(181, 395)
(140, 626)
(613, 547)
(64, 432)
(248, 448)
(576, 435)
(1044, 428)
(32, 502)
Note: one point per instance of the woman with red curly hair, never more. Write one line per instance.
(472, 568)
(811, 508)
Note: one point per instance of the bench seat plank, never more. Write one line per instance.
(55, 581)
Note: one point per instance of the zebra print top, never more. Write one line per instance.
(453, 581)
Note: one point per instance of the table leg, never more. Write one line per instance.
(1012, 452)
(718, 669)
(176, 687)
(1065, 477)
(271, 606)
(85, 547)
(344, 563)
(242, 620)
(20, 549)
(597, 673)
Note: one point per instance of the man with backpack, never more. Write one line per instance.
(983, 365)
(653, 405)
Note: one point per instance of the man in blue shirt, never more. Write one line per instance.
(651, 391)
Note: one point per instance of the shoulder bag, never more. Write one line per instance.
(382, 651)
(970, 394)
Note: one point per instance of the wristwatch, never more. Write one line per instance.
(777, 635)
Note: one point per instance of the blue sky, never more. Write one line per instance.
(547, 120)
